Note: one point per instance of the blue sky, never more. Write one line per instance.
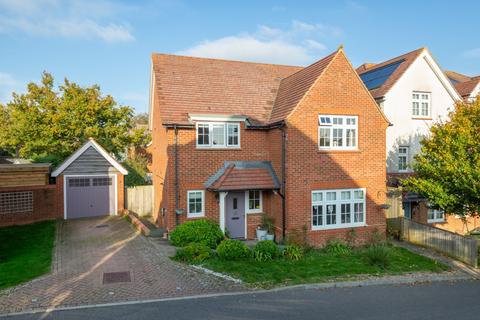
(109, 42)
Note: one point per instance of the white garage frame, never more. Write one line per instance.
(88, 175)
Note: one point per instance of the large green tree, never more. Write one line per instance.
(448, 167)
(46, 123)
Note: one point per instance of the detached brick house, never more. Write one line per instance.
(233, 141)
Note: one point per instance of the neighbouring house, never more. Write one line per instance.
(467, 87)
(232, 141)
(88, 183)
(414, 93)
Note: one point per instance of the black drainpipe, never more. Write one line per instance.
(176, 174)
(284, 214)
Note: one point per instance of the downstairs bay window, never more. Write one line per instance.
(341, 208)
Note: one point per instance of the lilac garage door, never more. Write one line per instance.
(90, 196)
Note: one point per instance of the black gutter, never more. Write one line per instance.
(274, 125)
(176, 175)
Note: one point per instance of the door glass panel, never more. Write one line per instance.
(235, 205)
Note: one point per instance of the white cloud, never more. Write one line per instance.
(473, 53)
(71, 19)
(299, 45)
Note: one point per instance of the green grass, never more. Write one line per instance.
(319, 266)
(25, 252)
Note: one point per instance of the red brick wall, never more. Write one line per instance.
(44, 206)
(309, 169)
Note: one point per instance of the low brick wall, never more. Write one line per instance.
(44, 205)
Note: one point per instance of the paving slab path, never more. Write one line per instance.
(87, 249)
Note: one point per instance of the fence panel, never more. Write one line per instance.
(140, 200)
(454, 245)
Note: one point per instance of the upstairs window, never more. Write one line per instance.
(218, 135)
(421, 104)
(337, 132)
(402, 159)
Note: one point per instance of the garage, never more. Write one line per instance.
(92, 183)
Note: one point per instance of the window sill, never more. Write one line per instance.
(218, 149)
(338, 150)
(343, 226)
(422, 118)
(436, 221)
(254, 212)
(195, 215)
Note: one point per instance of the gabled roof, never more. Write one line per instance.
(465, 85)
(293, 88)
(187, 85)
(90, 143)
(388, 79)
(244, 175)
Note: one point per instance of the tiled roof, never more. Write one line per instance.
(293, 88)
(265, 93)
(407, 58)
(244, 175)
(187, 85)
(465, 85)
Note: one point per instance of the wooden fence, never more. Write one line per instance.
(452, 244)
(139, 199)
(394, 200)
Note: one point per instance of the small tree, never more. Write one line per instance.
(137, 170)
(448, 167)
(48, 124)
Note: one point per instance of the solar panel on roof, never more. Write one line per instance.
(376, 78)
(453, 81)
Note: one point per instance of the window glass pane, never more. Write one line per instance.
(195, 202)
(424, 109)
(345, 213)
(203, 132)
(331, 196)
(324, 137)
(254, 199)
(351, 138)
(317, 196)
(218, 134)
(337, 137)
(358, 194)
(358, 212)
(317, 215)
(233, 134)
(345, 195)
(331, 214)
(416, 108)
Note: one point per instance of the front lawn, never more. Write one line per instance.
(25, 252)
(320, 266)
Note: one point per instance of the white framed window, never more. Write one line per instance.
(253, 199)
(339, 208)
(195, 203)
(435, 215)
(337, 132)
(403, 159)
(421, 104)
(218, 135)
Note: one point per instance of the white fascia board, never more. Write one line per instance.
(90, 143)
(441, 75)
(216, 117)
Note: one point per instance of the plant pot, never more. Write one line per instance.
(269, 237)
(261, 234)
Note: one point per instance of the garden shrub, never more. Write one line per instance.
(265, 250)
(299, 238)
(337, 247)
(193, 253)
(378, 255)
(202, 231)
(230, 249)
(293, 252)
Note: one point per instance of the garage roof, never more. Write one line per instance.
(90, 143)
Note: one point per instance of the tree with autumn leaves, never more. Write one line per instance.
(45, 124)
(447, 171)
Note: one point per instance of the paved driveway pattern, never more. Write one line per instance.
(88, 248)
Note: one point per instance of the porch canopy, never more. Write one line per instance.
(244, 175)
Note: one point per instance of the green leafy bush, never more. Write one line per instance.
(299, 238)
(293, 252)
(265, 250)
(337, 247)
(202, 231)
(193, 253)
(230, 249)
(378, 255)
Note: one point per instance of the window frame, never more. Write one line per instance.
(323, 124)
(435, 213)
(406, 155)
(210, 145)
(338, 208)
(420, 101)
(247, 202)
(195, 214)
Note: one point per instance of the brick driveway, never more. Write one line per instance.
(88, 248)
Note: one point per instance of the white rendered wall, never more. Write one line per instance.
(397, 105)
